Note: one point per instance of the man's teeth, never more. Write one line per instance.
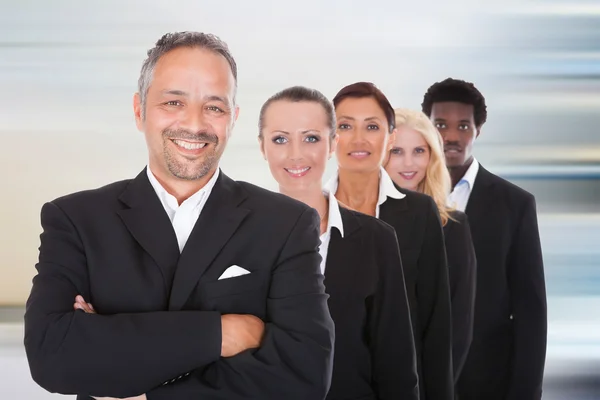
(297, 171)
(189, 145)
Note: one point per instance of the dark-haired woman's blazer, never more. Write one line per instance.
(374, 355)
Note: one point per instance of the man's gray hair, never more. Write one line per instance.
(171, 41)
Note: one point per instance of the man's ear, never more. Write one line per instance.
(236, 113)
(138, 111)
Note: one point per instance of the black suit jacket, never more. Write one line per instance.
(507, 355)
(159, 311)
(418, 228)
(374, 348)
(462, 269)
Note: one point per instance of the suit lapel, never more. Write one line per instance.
(396, 213)
(481, 202)
(335, 257)
(149, 224)
(218, 221)
(340, 252)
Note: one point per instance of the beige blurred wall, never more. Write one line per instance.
(68, 70)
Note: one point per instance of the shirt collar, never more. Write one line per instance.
(335, 216)
(386, 186)
(471, 173)
(168, 200)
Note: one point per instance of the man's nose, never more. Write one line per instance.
(193, 120)
(450, 135)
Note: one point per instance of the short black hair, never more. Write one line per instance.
(297, 94)
(459, 91)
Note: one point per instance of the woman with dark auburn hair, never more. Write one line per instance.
(374, 354)
(366, 130)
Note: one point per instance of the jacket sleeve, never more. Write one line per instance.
(528, 296)
(71, 352)
(463, 278)
(434, 311)
(394, 362)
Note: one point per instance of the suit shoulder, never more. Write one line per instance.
(457, 216)
(371, 224)
(273, 202)
(457, 226)
(92, 196)
(511, 189)
(417, 199)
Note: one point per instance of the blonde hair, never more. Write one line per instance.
(437, 181)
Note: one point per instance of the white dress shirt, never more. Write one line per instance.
(184, 216)
(459, 197)
(386, 188)
(334, 221)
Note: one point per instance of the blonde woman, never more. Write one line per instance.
(416, 162)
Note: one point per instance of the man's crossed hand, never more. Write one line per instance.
(239, 332)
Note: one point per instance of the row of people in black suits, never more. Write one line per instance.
(152, 256)
(300, 130)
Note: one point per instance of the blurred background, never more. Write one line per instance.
(68, 70)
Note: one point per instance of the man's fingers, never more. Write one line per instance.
(80, 304)
(143, 396)
(88, 309)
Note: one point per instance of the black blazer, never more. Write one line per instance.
(374, 348)
(462, 269)
(508, 352)
(159, 312)
(417, 223)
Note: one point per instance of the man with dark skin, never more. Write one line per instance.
(507, 355)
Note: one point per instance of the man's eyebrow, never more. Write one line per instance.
(175, 92)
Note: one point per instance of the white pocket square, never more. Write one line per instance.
(233, 271)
